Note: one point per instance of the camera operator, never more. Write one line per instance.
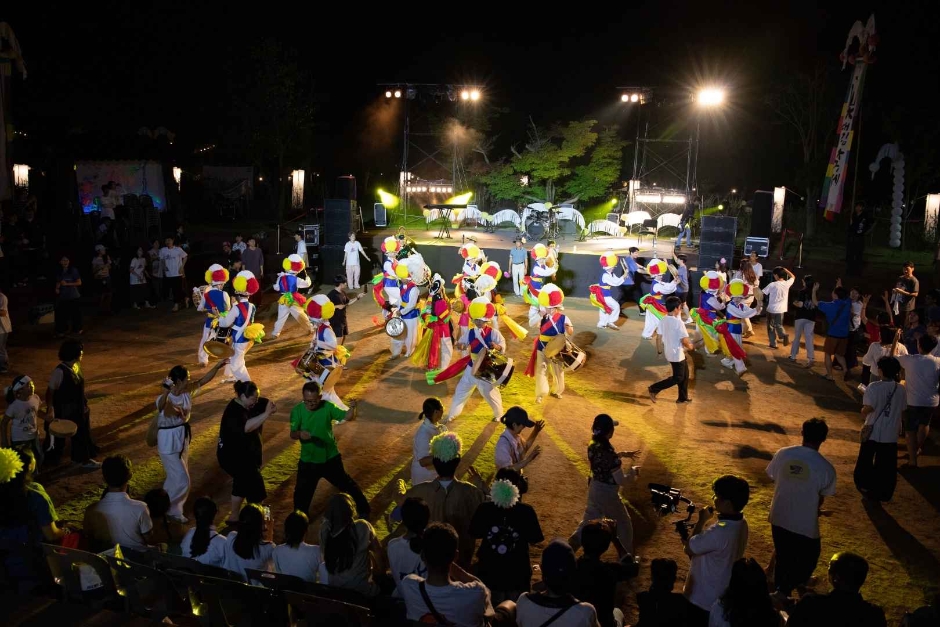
(715, 550)
(607, 476)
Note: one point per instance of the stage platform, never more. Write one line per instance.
(578, 259)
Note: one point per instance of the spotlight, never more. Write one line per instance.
(388, 94)
(475, 95)
(624, 98)
(711, 97)
(635, 98)
(465, 95)
(398, 93)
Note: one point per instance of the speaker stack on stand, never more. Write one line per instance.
(340, 218)
(717, 243)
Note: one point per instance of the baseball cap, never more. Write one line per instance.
(515, 415)
(603, 423)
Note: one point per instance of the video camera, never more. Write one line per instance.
(668, 500)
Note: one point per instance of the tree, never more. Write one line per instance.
(594, 179)
(808, 105)
(548, 154)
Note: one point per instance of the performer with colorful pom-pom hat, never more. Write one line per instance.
(541, 272)
(436, 348)
(653, 303)
(215, 302)
(735, 313)
(409, 312)
(292, 301)
(241, 318)
(390, 280)
(330, 354)
(601, 296)
(554, 323)
(706, 315)
(479, 339)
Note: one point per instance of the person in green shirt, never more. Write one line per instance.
(311, 422)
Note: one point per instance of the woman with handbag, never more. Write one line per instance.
(884, 402)
(170, 432)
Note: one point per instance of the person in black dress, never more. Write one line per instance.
(341, 300)
(65, 399)
(240, 445)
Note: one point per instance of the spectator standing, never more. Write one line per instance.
(156, 272)
(932, 309)
(758, 269)
(68, 311)
(351, 252)
(597, 579)
(904, 294)
(404, 553)
(855, 331)
(685, 226)
(253, 259)
(239, 246)
(109, 200)
(512, 450)
(22, 416)
(682, 281)
(350, 548)
(301, 247)
(519, 265)
(174, 262)
(311, 422)
(448, 595)
(182, 240)
(295, 557)
(506, 527)
(802, 478)
(838, 314)
(630, 278)
(340, 302)
(888, 346)
(422, 466)
(203, 543)
(252, 546)
(556, 605)
(844, 605)
(117, 518)
(138, 272)
(876, 472)
(804, 320)
(921, 374)
(675, 338)
(860, 223)
(714, 551)
(745, 603)
(101, 271)
(913, 330)
(777, 292)
(229, 257)
(66, 400)
(660, 606)
(6, 328)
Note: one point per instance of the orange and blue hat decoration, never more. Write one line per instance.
(609, 260)
(539, 251)
(551, 296)
(245, 283)
(737, 289)
(216, 274)
(293, 264)
(656, 267)
(481, 308)
(711, 281)
(390, 245)
(320, 307)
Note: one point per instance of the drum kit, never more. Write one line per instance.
(542, 222)
(494, 367)
(220, 344)
(565, 352)
(309, 367)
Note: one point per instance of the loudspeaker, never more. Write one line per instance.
(762, 211)
(717, 240)
(311, 235)
(346, 187)
(339, 220)
(380, 214)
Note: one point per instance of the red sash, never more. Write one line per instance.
(458, 366)
(550, 323)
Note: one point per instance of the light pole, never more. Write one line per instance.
(705, 98)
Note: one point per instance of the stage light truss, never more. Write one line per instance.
(635, 95)
(450, 91)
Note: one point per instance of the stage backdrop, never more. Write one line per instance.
(134, 177)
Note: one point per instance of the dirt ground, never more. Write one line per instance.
(733, 426)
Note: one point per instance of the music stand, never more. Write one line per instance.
(445, 210)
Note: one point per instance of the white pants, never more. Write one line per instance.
(650, 324)
(535, 318)
(604, 501)
(332, 396)
(176, 467)
(203, 357)
(462, 332)
(393, 294)
(542, 366)
(447, 352)
(738, 364)
(806, 328)
(293, 310)
(465, 388)
(352, 276)
(604, 318)
(237, 363)
(408, 342)
(518, 274)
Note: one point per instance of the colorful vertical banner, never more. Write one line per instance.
(776, 220)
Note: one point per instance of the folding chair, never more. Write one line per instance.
(65, 564)
(650, 227)
(326, 612)
(147, 591)
(223, 603)
(278, 582)
(165, 561)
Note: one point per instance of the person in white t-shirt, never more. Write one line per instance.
(251, 546)
(803, 478)
(295, 557)
(921, 377)
(21, 417)
(876, 469)
(301, 247)
(351, 252)
(448, 595)
(422, 468)
(556, 605)
(203, 543)
(758, 269)
(777, 292)
(117, 519)
(174, 262)
(675, 342)
(882, 348)
(110, 198)
(714, 551)
(404, 553)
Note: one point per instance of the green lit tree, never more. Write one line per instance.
(594, 179)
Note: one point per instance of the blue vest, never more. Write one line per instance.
(246, 316)
(550, 328)
(409, 315)
(214, 297)
(287, 283)
(482, 339)
(602, 282)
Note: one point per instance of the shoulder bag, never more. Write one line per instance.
(868, 429)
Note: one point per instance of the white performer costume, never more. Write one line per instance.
(291, 302)
(390, 279)
(242, 320)
(539, 275)
(651, 322)
(215, 302)
(480, 338)
(608, 280)
(173, 446)
(736, 313)
(553, 323)
(320, 310)
(409, 313)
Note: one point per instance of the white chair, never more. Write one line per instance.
(634, 218)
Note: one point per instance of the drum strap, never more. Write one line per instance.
(550, 323)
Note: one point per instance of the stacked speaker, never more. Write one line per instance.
(717, 242)
(339, 214)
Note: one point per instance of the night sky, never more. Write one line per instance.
(106, 70)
